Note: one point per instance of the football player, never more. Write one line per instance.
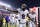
(23, 13)
(16, 19)
(33, 17)
(12, 18)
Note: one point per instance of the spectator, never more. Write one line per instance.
(0, 21)
(2, 16)
(7, 20)
(3, 20)
(27, 22)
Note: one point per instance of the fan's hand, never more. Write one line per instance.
(35, 23)
(3, 7)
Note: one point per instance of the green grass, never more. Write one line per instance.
(9, 25)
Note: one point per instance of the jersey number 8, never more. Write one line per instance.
(23, 16)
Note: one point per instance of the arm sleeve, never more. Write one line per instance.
(27, 11)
